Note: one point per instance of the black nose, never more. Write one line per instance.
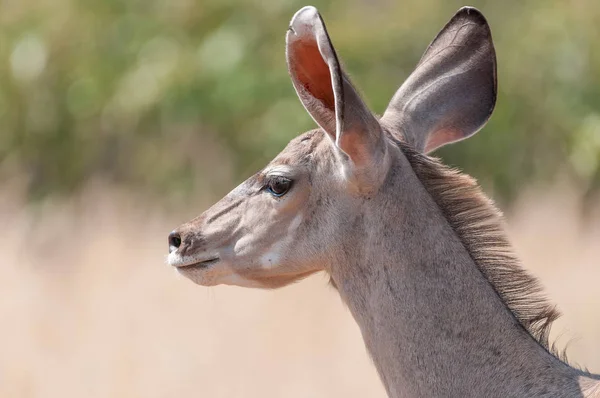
(174, 241)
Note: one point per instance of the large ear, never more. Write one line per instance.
(452, 92)
(326, 92)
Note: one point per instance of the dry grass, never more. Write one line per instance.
(89, 310)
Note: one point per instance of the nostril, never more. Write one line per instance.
(174, 241)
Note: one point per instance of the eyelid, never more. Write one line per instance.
(277, 175)
(273, 177)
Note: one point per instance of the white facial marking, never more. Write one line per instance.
(176, 260)
(279, 169)
(272, 257)
(295, 224)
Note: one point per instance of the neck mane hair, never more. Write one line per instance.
(479, 226)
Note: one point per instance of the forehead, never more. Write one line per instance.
(303, 149)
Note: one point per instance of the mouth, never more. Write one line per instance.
(199, 265)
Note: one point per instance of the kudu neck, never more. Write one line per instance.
(432, 323)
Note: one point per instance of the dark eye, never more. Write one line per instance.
(279, 186)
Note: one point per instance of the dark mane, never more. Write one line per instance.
(478, 224)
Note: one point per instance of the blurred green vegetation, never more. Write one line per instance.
(179, 97)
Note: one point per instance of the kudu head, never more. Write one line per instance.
(284, 222)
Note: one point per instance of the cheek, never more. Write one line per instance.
(272, 257)
(248, 247)
(271, 247)
(281, 250)
(254, 231)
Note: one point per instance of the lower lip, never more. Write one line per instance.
(203, 264)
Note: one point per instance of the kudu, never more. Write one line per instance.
(415, 249)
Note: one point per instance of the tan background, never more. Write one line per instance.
(89, 309)
(179, 100)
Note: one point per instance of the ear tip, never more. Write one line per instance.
(309, 11)
(472, 14)
(304, 20)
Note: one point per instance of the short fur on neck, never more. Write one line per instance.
(479, 226)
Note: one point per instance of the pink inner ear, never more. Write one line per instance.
(312, 72)
(442, 137)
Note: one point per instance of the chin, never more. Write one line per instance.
(199, 276)
(215, 276)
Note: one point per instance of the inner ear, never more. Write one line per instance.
(311, 71)
(315, 70)
(452, 92)
(329, 97)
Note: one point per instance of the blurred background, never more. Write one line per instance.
(121, 119)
